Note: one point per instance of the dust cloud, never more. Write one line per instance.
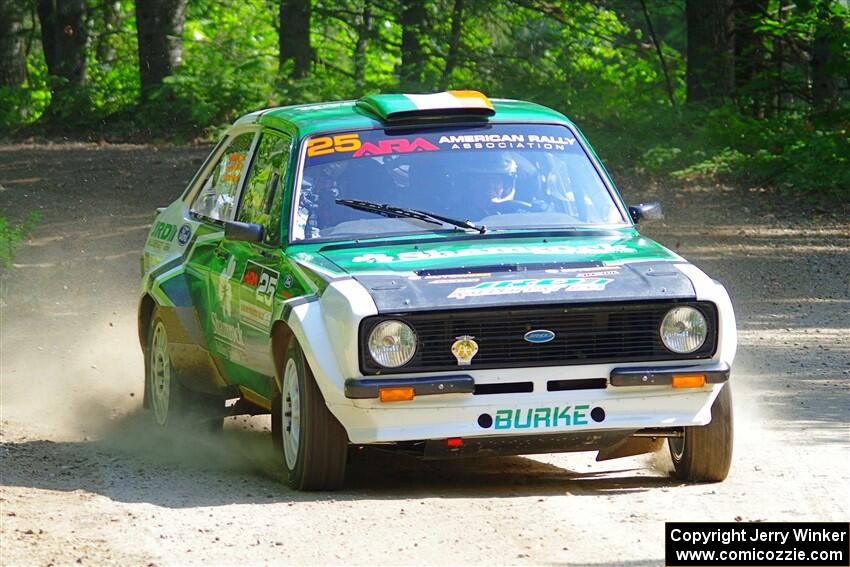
(70, 380)
(85, 383)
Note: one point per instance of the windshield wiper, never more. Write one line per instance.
(402, 212)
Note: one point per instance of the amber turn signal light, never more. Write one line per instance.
(395, 394)
(688, 380)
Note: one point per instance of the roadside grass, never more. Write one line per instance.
(11, 237)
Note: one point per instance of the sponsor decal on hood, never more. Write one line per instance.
(529, 286)
(627, 282)
(538, 250)
(463, 271)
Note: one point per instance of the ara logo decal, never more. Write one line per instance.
(184, 235)
(395, 146)
(539, 336)
(251, 277)
(544, 286)
(546, 417)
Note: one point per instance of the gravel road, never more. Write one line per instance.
(84, 480)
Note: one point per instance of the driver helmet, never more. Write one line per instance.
(488, 175)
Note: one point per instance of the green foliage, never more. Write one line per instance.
(789, 152)
(594, 60)
(658, 158)
(24, 104)
(810, 161)
(11, 236)
(717, 167)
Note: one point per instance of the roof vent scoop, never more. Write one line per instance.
(398, 107)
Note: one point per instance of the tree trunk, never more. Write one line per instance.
(777, 60)
(710, 72)
(64, 36)
(826, 56)
(294, 37)
(750, 54)
(667, 82)
(454, 45)
(412, 57)
(111, 19)
(364, 31)
(12, 59)
(160, 35)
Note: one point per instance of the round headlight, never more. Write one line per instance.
(392, 343)
(683, 330)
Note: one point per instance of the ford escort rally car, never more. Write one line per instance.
(445, 275)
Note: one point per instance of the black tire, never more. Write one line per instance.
(277, 426)
(172, 405)
(317, 459)
(704, 454)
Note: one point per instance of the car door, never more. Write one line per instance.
(211, 268)
(263, 273)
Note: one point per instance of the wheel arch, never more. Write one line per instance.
(145, 313)
(146, 307)
(281, 336)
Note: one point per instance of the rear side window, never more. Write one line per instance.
(261, 201)
(217, 198)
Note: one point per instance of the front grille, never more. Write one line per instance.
(584, 334)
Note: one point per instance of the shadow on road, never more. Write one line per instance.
(240, 466)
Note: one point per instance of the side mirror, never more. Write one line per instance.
(646, 211)
(244, 231)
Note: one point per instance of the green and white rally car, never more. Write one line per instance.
(444, 275)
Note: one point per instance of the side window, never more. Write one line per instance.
(217, 197)
(261, 202)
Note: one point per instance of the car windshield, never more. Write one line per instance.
(501, 176)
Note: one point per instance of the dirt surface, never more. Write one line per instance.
(85, 480)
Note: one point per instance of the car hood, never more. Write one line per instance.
(505, 270)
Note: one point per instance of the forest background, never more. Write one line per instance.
(750, 92)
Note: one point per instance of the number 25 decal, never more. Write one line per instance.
(266, 287)
(328, 145)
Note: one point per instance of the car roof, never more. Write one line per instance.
(309, 119)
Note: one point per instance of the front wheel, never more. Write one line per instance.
(704, 454)
(314, 444)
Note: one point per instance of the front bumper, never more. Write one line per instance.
(539, 412)
(369, 388)
(717, 373)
